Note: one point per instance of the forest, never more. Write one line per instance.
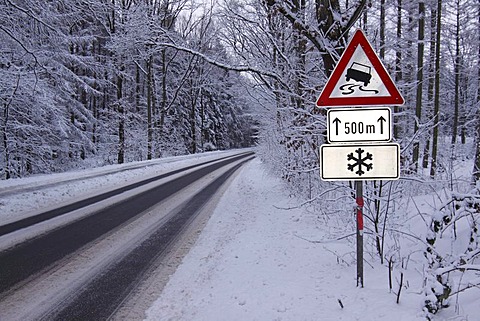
(88, 83)
(92, 82)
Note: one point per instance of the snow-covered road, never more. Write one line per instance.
(95, 256)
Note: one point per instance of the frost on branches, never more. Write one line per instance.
(452, 251)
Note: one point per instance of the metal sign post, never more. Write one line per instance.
(359, 210)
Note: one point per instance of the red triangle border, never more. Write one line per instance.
(359, 39)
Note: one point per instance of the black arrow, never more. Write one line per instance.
(381, 120)
(336, 121)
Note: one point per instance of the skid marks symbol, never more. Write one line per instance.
(348, 89)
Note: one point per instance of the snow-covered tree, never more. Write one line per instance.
(92, 82)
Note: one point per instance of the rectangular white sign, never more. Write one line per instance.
(360, 162)
(359, 125)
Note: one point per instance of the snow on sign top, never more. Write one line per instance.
(359, 79)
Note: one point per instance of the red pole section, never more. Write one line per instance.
(360, 213)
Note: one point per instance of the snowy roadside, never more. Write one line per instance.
(252, 262)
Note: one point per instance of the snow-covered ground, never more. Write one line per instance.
(261, 257)
(257, 261)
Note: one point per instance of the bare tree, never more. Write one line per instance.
(419, 96)
(436, 103)
(476, 166)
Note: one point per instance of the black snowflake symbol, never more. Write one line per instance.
(360, 161)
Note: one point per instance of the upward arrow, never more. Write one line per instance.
(381, 120)
(336, 121)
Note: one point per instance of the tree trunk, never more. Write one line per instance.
(476, 166)
(121, 123)
(138, 93)
(398, 69)
(202, 122)
(301, 49)
(418, 109)
(436, 102)
(164, 102)
(457, 77)
(431, 82)
(364, 21)
(325, 17)
(382, 29)
(193, 126)
(149, 107)
(6, 152)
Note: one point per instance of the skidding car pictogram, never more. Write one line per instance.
(359, 72)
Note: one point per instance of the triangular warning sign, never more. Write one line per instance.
(359, 78)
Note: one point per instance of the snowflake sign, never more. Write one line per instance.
(359, 161)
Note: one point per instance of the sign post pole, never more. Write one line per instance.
(359, 212)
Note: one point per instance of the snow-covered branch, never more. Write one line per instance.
(225, 66)
(311, 33)
(461, 267)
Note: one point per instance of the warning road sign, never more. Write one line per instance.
(359, 79)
